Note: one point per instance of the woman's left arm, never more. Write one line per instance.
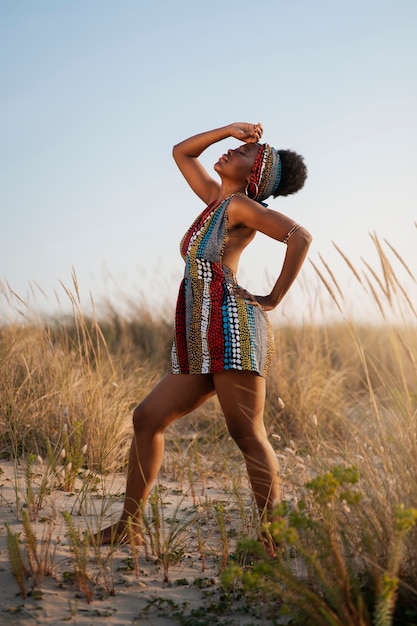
(282, 228)
(297, 248)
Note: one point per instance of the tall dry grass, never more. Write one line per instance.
(342, 392)
(74, 376)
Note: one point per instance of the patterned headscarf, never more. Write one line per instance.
(266, 173)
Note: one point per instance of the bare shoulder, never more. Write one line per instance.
(242, 210)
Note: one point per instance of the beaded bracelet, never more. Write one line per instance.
(292, 231)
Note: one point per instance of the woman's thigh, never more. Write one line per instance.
(242, 398)
(174, 396)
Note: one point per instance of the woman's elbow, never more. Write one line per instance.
(175, 151)
(304, 237)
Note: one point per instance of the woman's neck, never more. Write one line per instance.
(229, 190)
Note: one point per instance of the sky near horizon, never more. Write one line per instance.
(95, 93)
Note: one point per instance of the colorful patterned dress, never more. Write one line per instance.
(214, 329)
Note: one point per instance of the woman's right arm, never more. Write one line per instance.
(187, 152)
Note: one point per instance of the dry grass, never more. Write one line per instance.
(343, 392)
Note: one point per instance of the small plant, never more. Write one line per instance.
(35, 565)
(89, 485)
(72, 454)
(168, 536)
(213, 611)
(201, 549)
(154, 525)
(404, 521)
(80, 551)
(40, 557)
(39, 561)
(132, 540)
(16, 560)
(323, 573)
(32, 506)
(39, 483)
(225, 543)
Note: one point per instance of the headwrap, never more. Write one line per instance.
(265, 175)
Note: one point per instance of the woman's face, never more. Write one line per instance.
(237, 164)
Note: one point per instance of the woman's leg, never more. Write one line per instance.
(174, 396)
(242, 398)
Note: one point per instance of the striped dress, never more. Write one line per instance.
(215, 330)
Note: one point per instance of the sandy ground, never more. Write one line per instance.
(124, 589)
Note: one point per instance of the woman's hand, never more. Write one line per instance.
(263, 302)
(186, 155)
(249, 133)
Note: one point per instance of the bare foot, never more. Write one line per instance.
(118, 533)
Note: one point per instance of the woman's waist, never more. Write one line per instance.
(206, 270)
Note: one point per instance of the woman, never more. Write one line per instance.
(223, 340)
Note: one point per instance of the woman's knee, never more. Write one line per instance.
(140, 418)
(148, 421)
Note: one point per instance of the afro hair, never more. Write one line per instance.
(293, 173)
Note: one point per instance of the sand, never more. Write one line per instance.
(126, 587)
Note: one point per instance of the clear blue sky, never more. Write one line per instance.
(94, 94)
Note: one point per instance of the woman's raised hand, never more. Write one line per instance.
(249, 133)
